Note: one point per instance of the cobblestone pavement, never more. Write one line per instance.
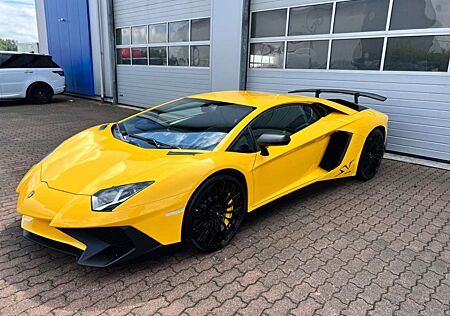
(345, 247)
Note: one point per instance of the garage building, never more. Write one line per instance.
(144, 52)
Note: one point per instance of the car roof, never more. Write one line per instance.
(20, 53)
(265, 100)
(253, 98)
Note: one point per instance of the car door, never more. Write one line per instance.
(17, 74)
(288, 167)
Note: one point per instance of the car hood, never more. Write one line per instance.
(94, 160)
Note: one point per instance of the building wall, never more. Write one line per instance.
(100, 26)
(418, 102)
(41, 26)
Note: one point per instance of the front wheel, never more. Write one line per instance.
(215, 213)
(371, 155)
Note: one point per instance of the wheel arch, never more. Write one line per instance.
(40, 82)
(238, 175)
(383, 130)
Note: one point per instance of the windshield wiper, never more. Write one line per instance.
(123, 132)
(153, 141)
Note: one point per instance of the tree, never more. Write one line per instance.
(8, 45)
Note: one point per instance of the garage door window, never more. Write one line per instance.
(184, 43)
(353, 35)
(266, 55)
(307, 55)
(158, 56)
(178, 56)
(139, 56)
(269, 23)
(418, 53)
(357, 54)
(139, 34)
(179, 31)
(157, 33)
(200, 29)
(310, 19)
(200, 55)
(123, 36)
(420, 14)
(123, 56)
(361, 16)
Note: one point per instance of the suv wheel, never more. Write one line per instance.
(40, 93)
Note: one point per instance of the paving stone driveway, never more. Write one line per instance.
(345, 247)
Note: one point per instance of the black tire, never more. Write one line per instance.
(208, 223)
(371, 155)
(40, 93)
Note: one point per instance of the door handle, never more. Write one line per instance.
(28, 71)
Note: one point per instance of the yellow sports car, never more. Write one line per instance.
(189, 170)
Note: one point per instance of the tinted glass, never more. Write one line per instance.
(158, 56)
(307, 55)
(361, 16)
(26, 61)
(284, 120)
(266, 55)
(139, 34)
(157, 33)
(420, 14)
(179, 31)
(244, 143)
(40, 61)
(357, 54)
(179, 56)
(139, 56)
(200, 30)
(310, 20)
(418, 53)
(123, 56)
(18, 61)
(4, 57)
(187, 123)
(123, 36)
(200, 55)
(269, 23)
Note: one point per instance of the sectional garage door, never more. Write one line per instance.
(397, 48)
(162, 49)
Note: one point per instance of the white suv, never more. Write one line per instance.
(31, 76)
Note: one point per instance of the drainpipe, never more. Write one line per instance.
(102, 75)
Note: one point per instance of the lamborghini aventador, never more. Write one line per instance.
(189, 170)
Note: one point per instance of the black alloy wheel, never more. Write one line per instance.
(371, 156)
(215, 213)
(40, 93)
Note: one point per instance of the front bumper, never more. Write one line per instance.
(103, 247)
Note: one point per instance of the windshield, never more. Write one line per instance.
(185, 124)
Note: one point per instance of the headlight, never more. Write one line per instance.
(106, 200)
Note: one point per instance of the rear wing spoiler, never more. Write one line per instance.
(355, 94)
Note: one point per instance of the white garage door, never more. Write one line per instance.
(162, 49)
(397, 48)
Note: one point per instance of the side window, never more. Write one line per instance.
(17, 61)
(39, 61)
(244, 143)
(287, 120)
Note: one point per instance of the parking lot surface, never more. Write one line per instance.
(345, 247)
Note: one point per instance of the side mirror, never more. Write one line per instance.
(267, 140)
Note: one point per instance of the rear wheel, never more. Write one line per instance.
(40, 93)
(371, 156)
(214, 213)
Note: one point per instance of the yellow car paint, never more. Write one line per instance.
(56, 192)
